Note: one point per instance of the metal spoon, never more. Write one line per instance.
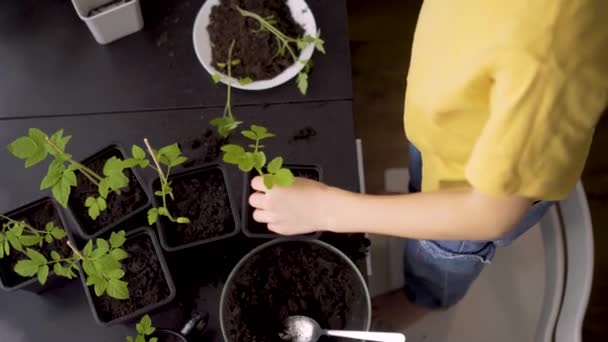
(306, 329)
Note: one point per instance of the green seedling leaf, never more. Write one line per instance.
(55, 256)
(104, 188)
(259, 159)
(117, 239)
(268, 180)
(59, 140)
(14, 241)
(43, 274)
(103, 246)
(158, 193)
(144, 327)
(100, 287)
(168, 154)
(131, 162)
(225, 125)
(319, 43)
(53, 175)
(183, 220)
(69, 177)
(245, 80)
(302, 82)
(88, 249)
(118, 289)
(26, 268)
(261, 132)
(119, 254)
(235, 62)
(36, 256)
(221, 65)
(61, 192)
(113, 166)
(138, 152)
(42, 150)
(23, 147)
(30, 240)
(116, 274)
(216, 78)
(283, 178)
(93, 210)
(249, 135)
(152, 215)
(89, 268)
(58, 233)
(275, 165)
(178, 161)
(246, 162)
(163, 211)
(101, 203)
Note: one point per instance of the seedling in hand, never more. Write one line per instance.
(101, 263)
(285, 45)
(144, 329)
(18, 234)
(61, 176)
(274, 173)
(227, 123)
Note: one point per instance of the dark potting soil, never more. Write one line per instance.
(257, 51)
(143, 273)
(261, 228)
(130, 199)
(203, 198)
(105, 7)
(37, 216)
(290, 278)
(202, 149)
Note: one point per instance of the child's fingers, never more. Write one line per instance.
(262, 216)
(257, 183)
(256, 200)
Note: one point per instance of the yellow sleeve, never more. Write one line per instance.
(537, 136)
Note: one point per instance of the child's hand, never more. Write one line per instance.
(297, 209)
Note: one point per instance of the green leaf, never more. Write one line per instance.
(88, 249)
(144, 326)
(39, 138)
(119, 254)
(31, 240)
(158, 193)
(59, 140)
(259, 159)
(61, 192)
(89, 268)
(106, 263)
(101, 203)
(35, 256)
(130, 339)
(118, 181)
(302, 82)
(170, 154)
(90, 201)
(26, 268)
(94, 211)
(7, 247)
(58, 233)
(144, 163)
(94, 279)
(116, 274)
(138, 152)
(140, 338)
(183, 220)
(283, 177)
(245, 80)
(55, 256)
(118, 289)
(43, 274)
(235, 62)
(131, 162)
(153, 339)
(117, 239)
(60, 270)
(178, 161)
(269, 181)
(275, 165)
(250, 135)
(225, 125)
(233, 149)
(221, 65)
(102, 245)
(53, 175)
(104, 188)
(319, 43)
(246, 162)
(163, 211)
(259, 131)
(100, 287)
(216, 78)
(152, 215)
(69, 177)
(48, 238)
(113, 166)
(23, 147)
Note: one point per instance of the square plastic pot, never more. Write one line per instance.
(247, 215)
(187, 174)
(53, 281)
(112, 23)
(118, 221)
(146, 309)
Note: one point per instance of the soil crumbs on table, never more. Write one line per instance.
(130, 199)
(291, 278)
(209, 211)
(257, 51)
(143, 273)
(261, 228)
(37, 216)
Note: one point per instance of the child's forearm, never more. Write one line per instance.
(459, 215)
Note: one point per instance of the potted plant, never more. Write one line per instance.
(109, 20)
(39, 226)
(292, 276)
(149, 281)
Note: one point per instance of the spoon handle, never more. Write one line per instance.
(367, 335)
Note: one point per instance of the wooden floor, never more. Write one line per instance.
(381, 34)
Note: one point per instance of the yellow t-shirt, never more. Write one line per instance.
(504, 95)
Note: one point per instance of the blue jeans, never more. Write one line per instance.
(438, 273)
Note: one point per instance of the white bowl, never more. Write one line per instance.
(300, 12)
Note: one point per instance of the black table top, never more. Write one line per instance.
(51, 65)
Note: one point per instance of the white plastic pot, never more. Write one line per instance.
(113, 23)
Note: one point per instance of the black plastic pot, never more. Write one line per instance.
(164, 225)
(82, 218)
(146, 309)
(32, 284)
(235, 289)
(254, 229)
(165, 335)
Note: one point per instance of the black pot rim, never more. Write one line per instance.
(145, 309)
(233, 208)
(351, 264)
(78, 225)
(172, 333)
(66, 228)
(245, 203)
